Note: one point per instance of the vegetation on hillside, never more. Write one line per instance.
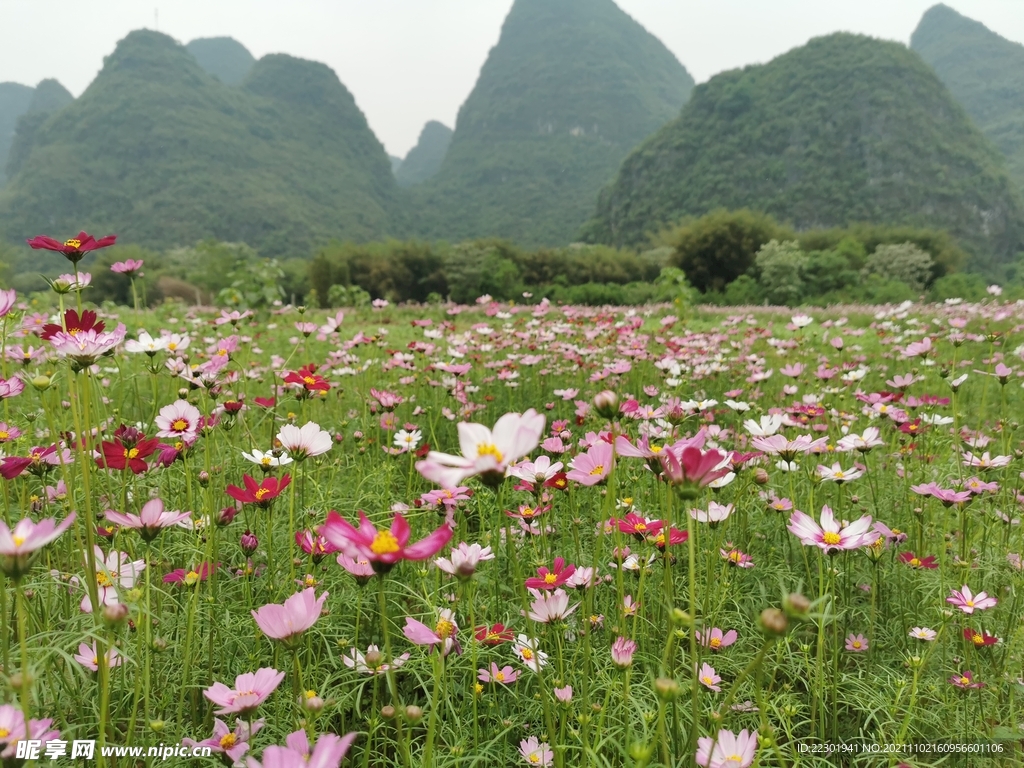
(48, 97)
(844, 129)
(163, 154)
(984, 72)
(424, 160)
(14, 102)
(223, 57)
(570, 88)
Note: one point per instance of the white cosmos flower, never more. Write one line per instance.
(768, 426)
(268, 459)
(146, 344)
(303, 442)
(408, 441)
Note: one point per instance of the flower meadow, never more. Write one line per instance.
(502, 534)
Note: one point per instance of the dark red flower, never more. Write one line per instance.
(675, 536)
(309, 379)
(261, 494)
(914, 427)
(74, 324)
(189, 576)
(233, 406)
(558, 481)
(73, 249)
(266, 402)
(495, 635)
(979, 637)
(551, 579)
(918, 562)
(126, 455)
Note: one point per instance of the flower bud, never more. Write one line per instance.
(666, 688)
(311, 702)
(19, 679)
(413, 713)
(796, 605)
(249, 542)
(374, 659)
(159, 645)
(115, 614)
(42, 383)
(773, 621)
(204, 478)
(606, 403)
(761, 476)
(388, 712)
(156, 725)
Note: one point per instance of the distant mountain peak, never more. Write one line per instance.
(223, 57)
(425, 159)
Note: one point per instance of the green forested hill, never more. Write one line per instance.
(163, 154)
(984, 72)
(844, 129)
(223, 57)
(14, 102)
(48, 97)
(570, 88)
(424, 160)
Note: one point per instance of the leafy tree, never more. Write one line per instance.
(904, 262)
(719, 247)
(780, 266)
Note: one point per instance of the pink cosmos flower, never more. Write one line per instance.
(548, 607)
(286, 622)
(504, 676)
(830, 536)
(968, 602)
(918, 348)
(985, 461)
(709, 678)
(965, 680)
(251, 689)
(7, 299)
(180, 419)
(358, 567)
(383, 548)
(715, 639)
(11, 387)
(464, 560)
(622, 652)
(536, 753)
(714, 514)
(150, 521)
(19, 546)
(88, 657)
(856, 643)
(329, 751)
(559, 574)
(946, 496)
(305, 441)
(693, 468)
(12, 726)
(127, 267)
(485, 452)
(727, 750)
(592, 467)
(536, 472)
(86, 346)
(788, 450)
(234, 743)
(443, 634)
(563, 694)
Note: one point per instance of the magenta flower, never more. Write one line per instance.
(189, 576)
(383, 548)
(622, 652)
(693, 468)
(727, 750)
(559, 574)
(19, 547)
(234, 743)
(88, 657)
(286, 622)
(505, 676)
(536, 752)
(329, 751)
(85, 347)
(968, 602)
(830, 536)
(715, 639)
(856, 643)
(594, 466)
(251, 689)
(485, 452)
(947, 497)
(443, 634)
(965, 680)
(7, 299)
(11, 387)
(150, 521)
(709, 678)
(360, 568)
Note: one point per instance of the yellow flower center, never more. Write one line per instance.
(500, 677)
(527, 654)
(18, 540)
(265, 461)
(534, 758)
(228, 740)
(261, 493)
(978, 639)
(309, 380)
(221, 352)
(969, 603)
(599, 469)
(715, 642)
(640, 527)
(171, 345)
(73, 243)
(965, 681)
(839, 475)
(489, 449)
(915, 562)
(444, 629)
(734, 758)
(550, 578)
(734, 556)
(856, 644)
(4, 733)
(493, 637)
(179, 425)
(4, 435)
(478, 688)
(831, 538)
(131, 453)
(707, 680)
(191, 578)
(528, 512)
(309, 581)
(95, 661)
(103, 580)
(310, 694)
(384, 543)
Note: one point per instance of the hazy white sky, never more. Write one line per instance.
(409, 61)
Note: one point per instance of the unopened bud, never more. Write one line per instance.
(311, 702)
(606, 403)
(115, 614)
(204, 478)
(374, 659)
(666, 688)
(773, 621)
(761, 476)
(388, 712)
(156, 725)
(41, 383)
(159, 645)
(249, 542)
(413, 713)
(796, 605)
(18, 679)
(681, 618)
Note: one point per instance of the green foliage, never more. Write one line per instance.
(830, 272)
(780, 266)
(984, 72)
(570, 88)
(904, 262)
(424, 160)
(844, 129)
(720, 246)
(223, 57)
(14, 102)
(959, 286)
(163, 154)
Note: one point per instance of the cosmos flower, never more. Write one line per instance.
(75, 248)
(180, 420)
(923, 633)
(727, 750)
(19, 546)
(548, 607)
(115, 572)
(287, 621)
(504, 676)
(830, 536)
(622, 652)
(305, 441)
(594, 466)
(709, 678)
(150, 521)
(559, 573)
(536, 753)
(88, 657)
(464, 560)
(526, 649)
(856, 643)
(329, 751)
(250, 691)
(443, 634)
(385, 547)
(372, 662)
(968, 602)
(234, 743)
(715, 639)
(260, 494)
